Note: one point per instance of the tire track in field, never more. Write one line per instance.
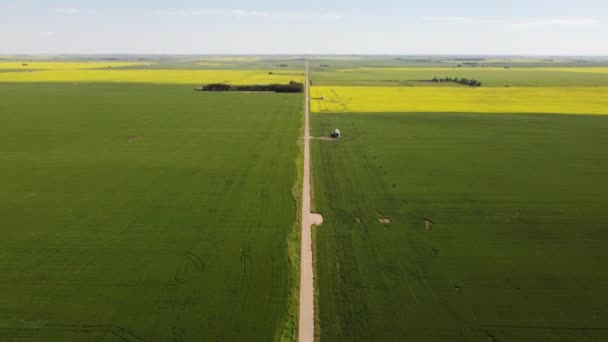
(119, 332)
(306, 329)
(197, 265)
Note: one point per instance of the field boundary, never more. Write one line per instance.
(114, 330)
(289, 327)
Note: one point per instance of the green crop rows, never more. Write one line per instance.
(146, 213)
(516, 249)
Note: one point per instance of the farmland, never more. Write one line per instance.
(136, 209)
(541, 76)
(515, 250)
(456, 213)
(64, 65)
(156, 76)
(567, 100)
(135, 212)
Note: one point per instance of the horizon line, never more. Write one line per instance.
(9, 54)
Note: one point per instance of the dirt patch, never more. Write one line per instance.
(385, 220)
(357, 219)
(428, 224)
(133, 138)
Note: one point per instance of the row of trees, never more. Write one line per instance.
(463, 81)
(292, 87)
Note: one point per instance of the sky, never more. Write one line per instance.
(473, 27)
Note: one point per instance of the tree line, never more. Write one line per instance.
(292, 87)
(463, 81)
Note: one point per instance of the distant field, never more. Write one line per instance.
(147, 213)
(211, 63)
(598, 70)
(231, 59)
(158, 76)
(513, 246)
(26, 65)
(490, 77)
(573, 100)
(348, 62)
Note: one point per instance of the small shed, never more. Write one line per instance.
(336, 134)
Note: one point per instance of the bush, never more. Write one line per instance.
(463, 81)
(217, 87)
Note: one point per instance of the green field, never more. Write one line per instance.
(490, 77)
(147, 213)
(516, 251)
(497, 220)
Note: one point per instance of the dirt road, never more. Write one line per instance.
(307, 292)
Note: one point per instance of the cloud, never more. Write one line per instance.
(46, 33)
(73, 10)
(237, 13)
(462, 20)
(568, 22)
(571, 22)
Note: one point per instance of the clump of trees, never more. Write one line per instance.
(216, 87)
(292, 87)
(463, 81)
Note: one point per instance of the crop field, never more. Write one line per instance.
(329, 63)
(157, 76)
(455, 213)
(143, 212)
(497, 227)
(596, 70)
(42, 65)
(568, 100)
(137, 209)
(490, 76)
(264, 64)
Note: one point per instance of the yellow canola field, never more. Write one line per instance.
(65, 65)
(591, 70)
(161, 76)
(564, 100)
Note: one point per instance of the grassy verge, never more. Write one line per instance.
(289, 328)
(316, 284)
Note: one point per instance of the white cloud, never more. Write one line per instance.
(46, 33)
(237, 13)
(73, 10)
(462, 20)
(567, 22)
(571, 22)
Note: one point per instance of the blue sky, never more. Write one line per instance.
(313, 27)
